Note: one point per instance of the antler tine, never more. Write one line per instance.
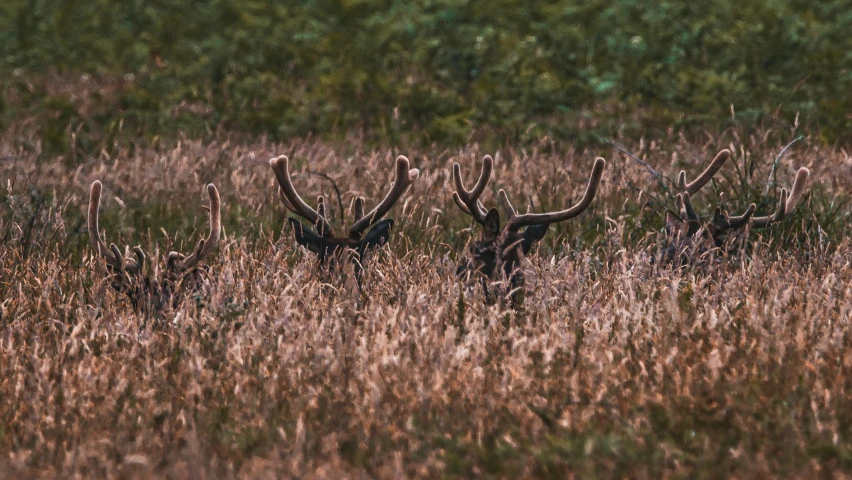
(687, 212)
(786, 202)
(742, 220)
(321, 206)
(691, 215)
(321, 213)
(118, 263)
(777, 216)
(507, 204)
(359, 209)
(468, 200)
(204, 246)
(706, 175)
(463, 207)
(681, 181)
(798, 188)
(138, 265)
(518, 221)
(404, 178)
(94, 205)
(281, 167)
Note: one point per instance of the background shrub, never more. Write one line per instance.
(440, 70)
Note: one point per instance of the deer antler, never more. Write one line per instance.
(727, 222)
(358, 213)
(204, 246)
(798, 188)
(291, 199)
(695, 185)
(468, 200)
(404, 178)
(517, 221)
(687, 212)
(94, 205)
(117, 263)
(127, 274)
(786, 203)
(721, 220)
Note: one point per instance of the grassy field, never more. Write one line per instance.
(612, 368)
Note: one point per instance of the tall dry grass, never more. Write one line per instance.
(613, 367)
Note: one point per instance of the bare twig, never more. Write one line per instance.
(660, 177)
(771, 178)
(653, 199)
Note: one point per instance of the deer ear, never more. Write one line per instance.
(492, 225)
(720, 220)
(532, 234)
(378, 235)
(305, 236)
(674, 224)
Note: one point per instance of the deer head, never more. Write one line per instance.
(322, 241)
(505, 246)
(183, 274)
(723, 231)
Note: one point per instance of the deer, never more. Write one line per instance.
(689, 237)
(500, 250)
(368, 231)
(182, 274)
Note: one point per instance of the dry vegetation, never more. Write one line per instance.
(612, 368)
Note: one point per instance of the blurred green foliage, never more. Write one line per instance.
(438, 69)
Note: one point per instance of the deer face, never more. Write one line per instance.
(690, 238)
(503, 249)
(724, 230)
(321, 241)
(496, 246)
(327, 247)
(182, 274)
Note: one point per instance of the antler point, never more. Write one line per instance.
(275, 161)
